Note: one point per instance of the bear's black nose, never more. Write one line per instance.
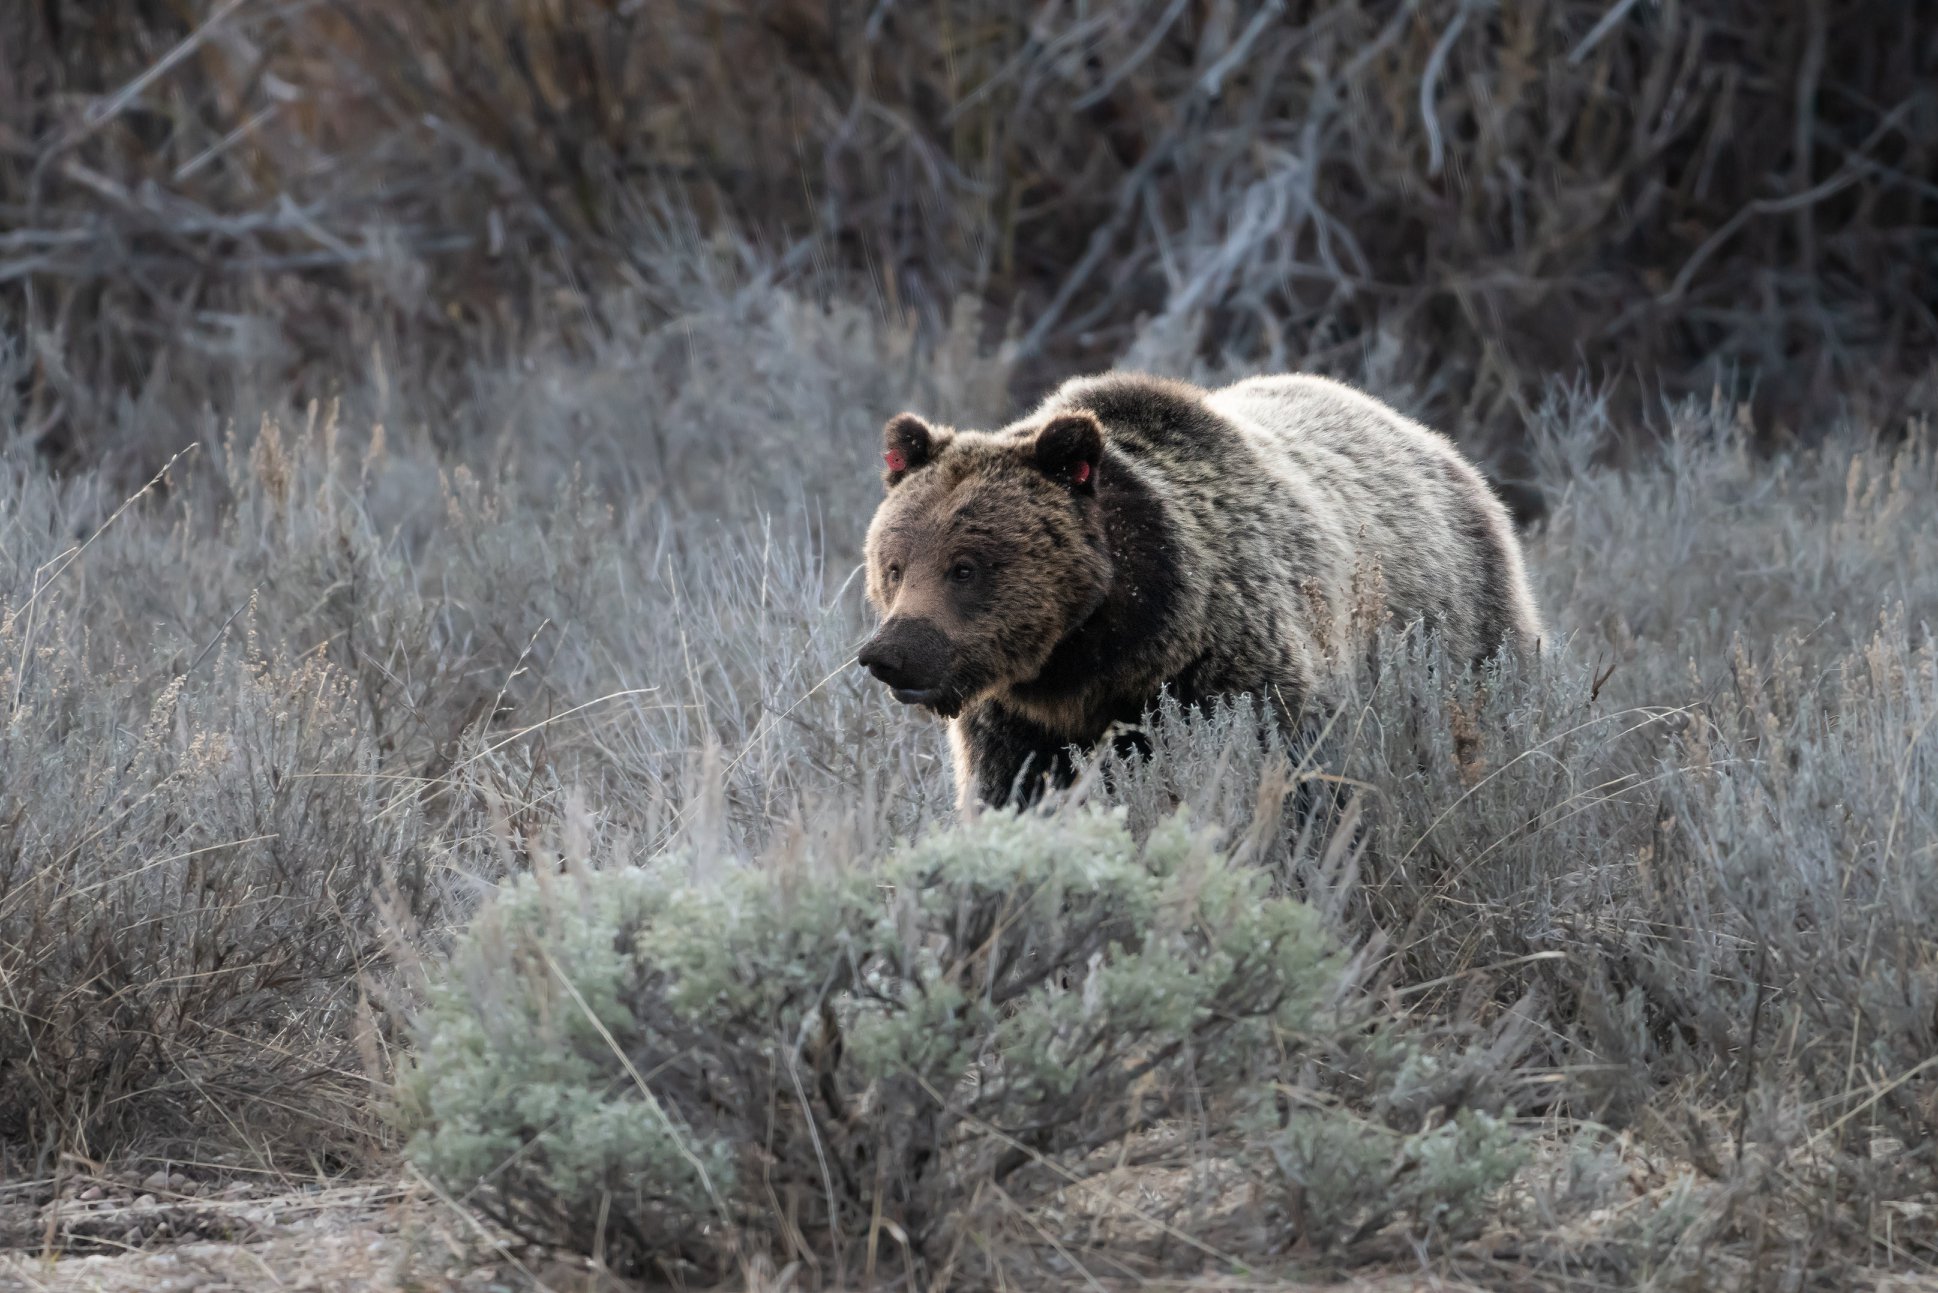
(911, 656)
(888, 662)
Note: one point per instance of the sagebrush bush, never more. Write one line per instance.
(192, 878)
(1347, 1177)
(624, 1058)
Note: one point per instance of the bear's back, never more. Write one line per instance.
(1322, 413)
(1281, 480)
(1273, 415)
(1149, 417)
(1403, 493)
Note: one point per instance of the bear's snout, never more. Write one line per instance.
(911, 656)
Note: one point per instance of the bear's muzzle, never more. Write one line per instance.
(912, 657)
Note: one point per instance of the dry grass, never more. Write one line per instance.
(275, 729)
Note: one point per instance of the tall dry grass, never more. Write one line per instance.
(276, 730)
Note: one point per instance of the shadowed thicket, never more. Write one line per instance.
(1651, 918)
(1466, 197)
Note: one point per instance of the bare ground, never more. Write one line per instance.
(168, 1232)
(183, 1237)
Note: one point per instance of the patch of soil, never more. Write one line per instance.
(183, 1237)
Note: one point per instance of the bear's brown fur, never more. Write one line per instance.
(1042, 583)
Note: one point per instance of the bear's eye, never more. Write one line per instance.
(894, 574)
(962, 572)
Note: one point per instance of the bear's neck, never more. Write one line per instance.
(1113, 663)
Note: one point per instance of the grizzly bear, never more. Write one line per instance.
(1040, 586)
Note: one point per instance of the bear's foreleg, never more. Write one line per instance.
(1004, 760)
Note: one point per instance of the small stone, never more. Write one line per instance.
(146, 1201)
(131, 1236)
(234, 1190)
(156, 1180)
(92, 1193)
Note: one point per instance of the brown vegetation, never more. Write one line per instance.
(1469, 197)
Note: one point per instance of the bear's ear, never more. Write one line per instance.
(908, 444)
(1068, 449)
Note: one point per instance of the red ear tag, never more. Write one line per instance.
(1081, 474)
(896, 460)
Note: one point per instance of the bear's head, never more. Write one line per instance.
(986, 553)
